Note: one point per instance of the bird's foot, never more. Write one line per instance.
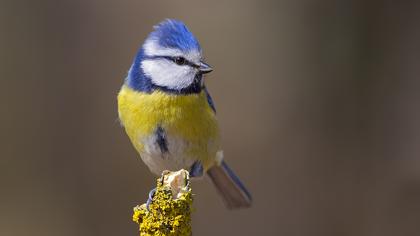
(196, 170)
(150, 199)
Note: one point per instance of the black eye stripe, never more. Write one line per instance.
(186, 62)
(182, 61)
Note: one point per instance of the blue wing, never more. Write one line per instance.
(210, 100)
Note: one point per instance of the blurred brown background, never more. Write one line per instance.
(318, 102)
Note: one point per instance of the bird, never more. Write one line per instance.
(169, 115)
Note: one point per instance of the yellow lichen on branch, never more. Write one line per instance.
(169, 213)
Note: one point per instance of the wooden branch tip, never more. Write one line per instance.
(169, 212)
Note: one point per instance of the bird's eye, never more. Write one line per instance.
(179, 60)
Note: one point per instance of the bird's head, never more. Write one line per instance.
(169, 60)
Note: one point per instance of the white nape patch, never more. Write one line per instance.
(152, 48)
(167, 74)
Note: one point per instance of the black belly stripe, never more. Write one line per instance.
(161, 139)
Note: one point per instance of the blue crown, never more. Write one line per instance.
(174, 34)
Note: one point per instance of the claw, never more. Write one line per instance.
(164, 173)
(150, 199)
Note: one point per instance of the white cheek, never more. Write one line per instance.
(167, 74)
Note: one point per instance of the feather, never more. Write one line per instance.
(233, 192)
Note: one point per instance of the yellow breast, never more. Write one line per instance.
(188, 117)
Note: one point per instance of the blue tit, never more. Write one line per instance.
(169, 115)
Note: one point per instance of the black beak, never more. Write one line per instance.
(204, 68)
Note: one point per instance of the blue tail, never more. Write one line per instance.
(233, 191)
